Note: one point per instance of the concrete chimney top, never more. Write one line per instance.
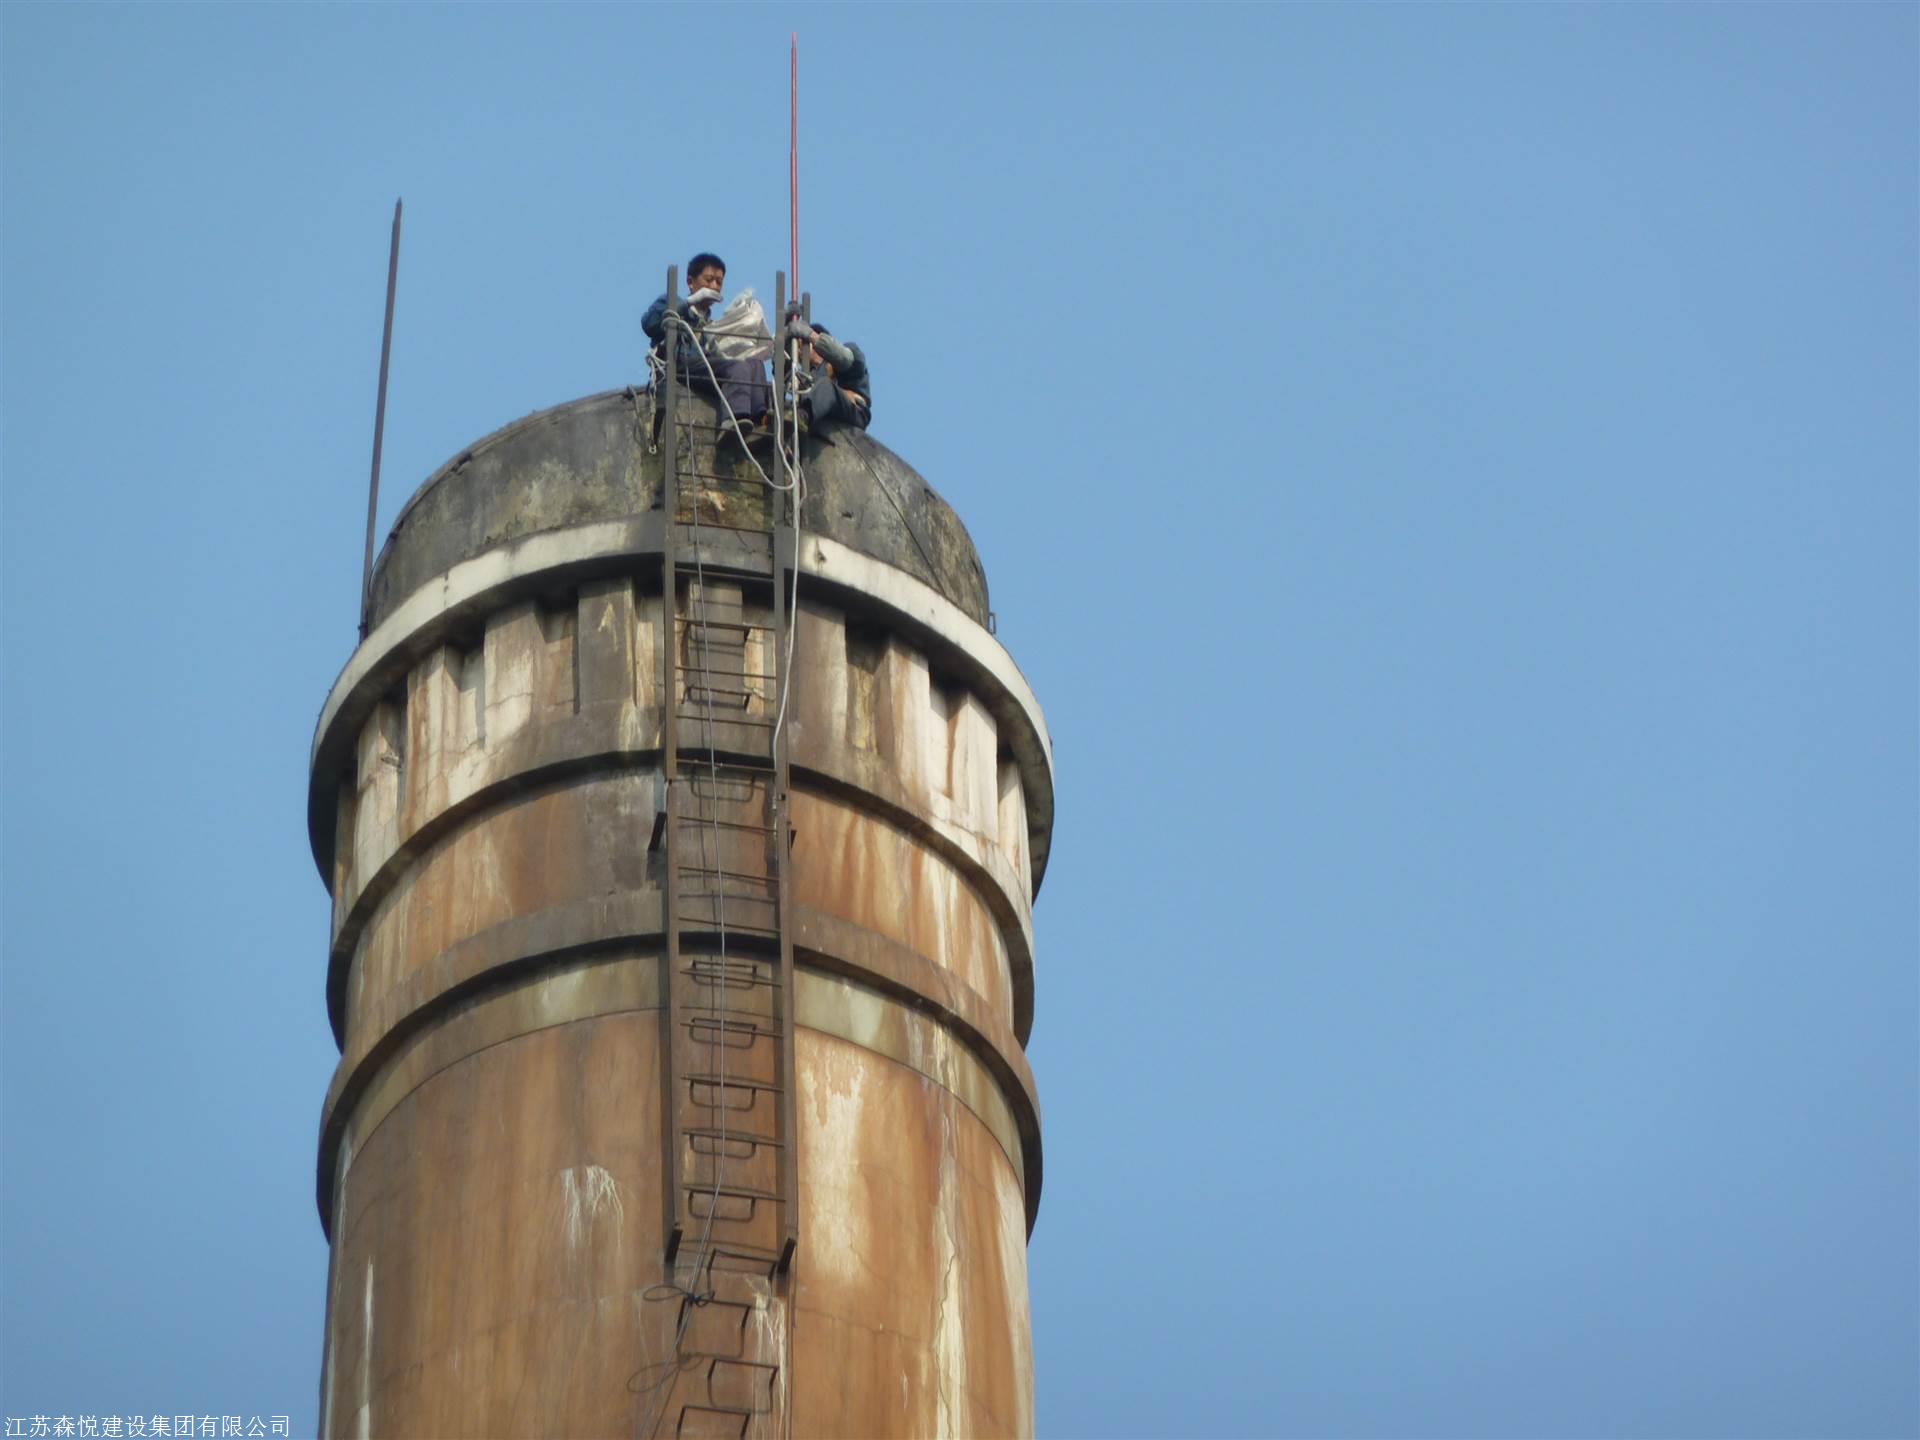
(588, 460)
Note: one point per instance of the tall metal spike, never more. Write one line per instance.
(379, 424)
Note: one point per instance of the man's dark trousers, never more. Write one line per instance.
(827, 401)
(743, 383)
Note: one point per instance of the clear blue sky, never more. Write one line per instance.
(1449, 473)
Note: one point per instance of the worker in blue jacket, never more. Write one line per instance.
(834, 381)
(742, 383)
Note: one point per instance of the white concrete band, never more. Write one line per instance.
(503, 574)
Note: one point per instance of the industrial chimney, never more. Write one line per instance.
(682, 862)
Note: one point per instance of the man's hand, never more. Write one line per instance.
(798, 329)
(703, 298)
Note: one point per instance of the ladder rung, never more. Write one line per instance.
(691, 564)
(709, 1017)
(726, 897)
(714, 505)
(701, 868)
(732, 1192)
(745, 569)
(711, 822)
(734, 1082)
(721, 601)
(719, 970)
(690, 522)
(758, 1261)
(756, 721)
(743, 1151)
(721, 1357)
(711, 430)
(715, 717)
(741, 795)
(730, 980)
(724, 680)
(715, 701)
(706, 1133)
(713, 874)
(744, 1417)
(700, 677)
(701, 825)
(732, 925)
(695, 553)
(719, 485)
(739, 1150)
(746, 969)
(761, 924)
(705, 774)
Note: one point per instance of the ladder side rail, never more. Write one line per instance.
(784, 518)
(781, 349)
(685, 558)
(669, 767)
(779, 820)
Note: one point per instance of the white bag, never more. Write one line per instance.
(740, 332)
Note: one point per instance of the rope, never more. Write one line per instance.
(795, 486)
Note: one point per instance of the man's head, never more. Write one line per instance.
(706, 272)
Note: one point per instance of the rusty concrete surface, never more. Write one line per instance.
(490, 1171)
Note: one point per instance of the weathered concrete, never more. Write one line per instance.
(588, 459)
(484, 787)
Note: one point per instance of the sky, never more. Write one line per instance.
(1448, 472)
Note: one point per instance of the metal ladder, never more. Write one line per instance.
(722, 837)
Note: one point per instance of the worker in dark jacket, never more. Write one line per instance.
(742, 383)
(834, 377)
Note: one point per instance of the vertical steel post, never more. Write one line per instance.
(379, 423)
(781, 348)
(669, 760)
(785, 553)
